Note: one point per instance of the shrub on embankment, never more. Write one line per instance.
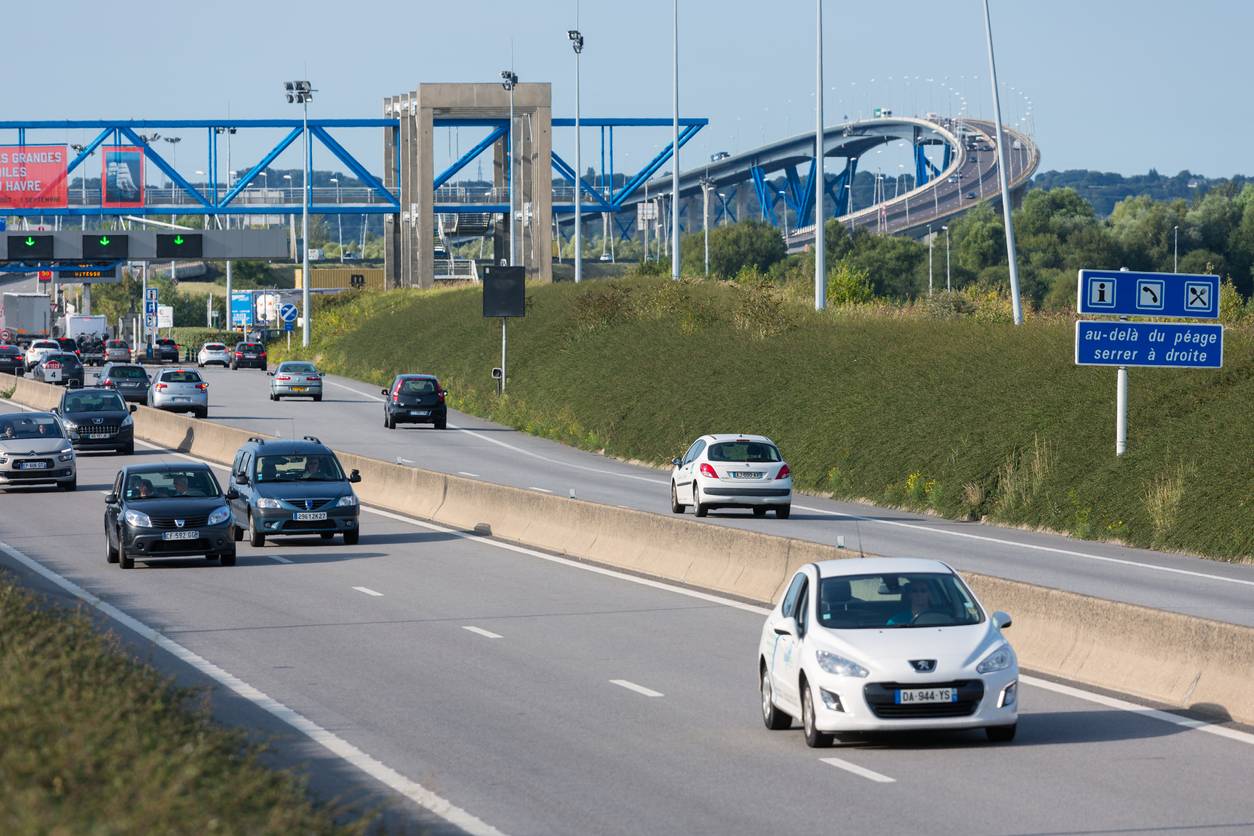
(92, 741)
(964, 416)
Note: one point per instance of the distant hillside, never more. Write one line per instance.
(1103, 189)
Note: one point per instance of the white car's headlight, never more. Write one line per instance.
(138, 519)
(1000, 659)
(267, 502)
(839, 665)
(220, 516)
(346, 501)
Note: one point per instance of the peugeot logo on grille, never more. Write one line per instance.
(97, 420)
(179, 523)
(923, 665)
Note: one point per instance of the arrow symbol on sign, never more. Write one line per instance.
(178, 240)
(30, 242)
(104, 240)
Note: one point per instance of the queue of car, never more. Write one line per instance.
(853, 646)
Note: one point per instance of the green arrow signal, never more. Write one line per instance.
(30, 242)
(178, 240)
(104, 240)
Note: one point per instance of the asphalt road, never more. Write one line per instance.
(517, 687)
(351, 419)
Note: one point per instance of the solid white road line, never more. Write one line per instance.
(1124, 705)
(1078, 693)
(468, 475)
(1031, 546)
(639, 689)
(479, 631)
(368, 591)
(859, 770)
(828, 512)
(541, 490)
(335, 744)
(277, 559)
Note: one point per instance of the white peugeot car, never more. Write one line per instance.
(211, 353)
(885, 644)
(38, 350)
(732, 471)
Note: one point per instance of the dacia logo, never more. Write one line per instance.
(179, 523)
(309, 504)
(923, 665)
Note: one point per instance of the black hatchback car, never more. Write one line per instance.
(249, 354)
(166, 349)
(290, 487)
(167, 510)
(98, 419)
(61, 368)
(12, 361)
(128, 379)
(415, 399)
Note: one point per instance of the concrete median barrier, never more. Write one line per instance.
(1173, 659)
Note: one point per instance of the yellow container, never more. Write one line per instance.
(347, 278)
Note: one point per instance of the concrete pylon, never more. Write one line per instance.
(410, 237)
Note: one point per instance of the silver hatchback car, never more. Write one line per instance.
(295, 379)
(179, 390)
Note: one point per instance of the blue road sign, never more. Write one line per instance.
(1124, 293)
(150, 294)
(150, 306)
(1178, 345)
(288, 312)
(3, 225)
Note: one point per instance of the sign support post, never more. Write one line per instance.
(500, 390)
(1121, 411)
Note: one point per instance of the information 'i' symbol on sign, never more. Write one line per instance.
(1101, 293)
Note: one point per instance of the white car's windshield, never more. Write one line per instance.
(862, 602)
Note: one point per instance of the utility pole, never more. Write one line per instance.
(675, 146)
(576, 42)
(820, 242)
(930, 242)
(1015, 304)
(707, 185)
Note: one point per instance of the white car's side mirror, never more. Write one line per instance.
(787, 627)
(1002, 620)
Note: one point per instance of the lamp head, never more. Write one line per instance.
(576, 40)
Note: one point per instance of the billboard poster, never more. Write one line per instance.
(33, 177)
(241, 308)
(122, 173)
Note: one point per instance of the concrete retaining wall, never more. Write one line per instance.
(1174, 659)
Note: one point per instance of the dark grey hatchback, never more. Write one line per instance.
(167, 510)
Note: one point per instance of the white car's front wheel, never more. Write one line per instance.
(676, 506)
(774, 719)
(815, 739)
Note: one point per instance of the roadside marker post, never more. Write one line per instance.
(1149, 344)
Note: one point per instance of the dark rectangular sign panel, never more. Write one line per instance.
(504, 291)
(179, 245)
(105, 246)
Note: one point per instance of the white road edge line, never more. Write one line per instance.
(1078, 693)
(470, 475)
(1125, 705)
(869, 774)
(277, 559)
(639, 689)
(828, 512)
(368, 591)
(479, 631)
(332, 742)
(541, 490)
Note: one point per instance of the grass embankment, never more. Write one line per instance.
(93, 742)
(964, 418)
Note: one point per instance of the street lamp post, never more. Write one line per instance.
(509, 80)
(576, 43)
(930, 242)
(722, 199)
(707, 186)
(948, 286)
(675, 143)
(1016, 305)
(174, 160)
(1175, 258)
(339, 218)
(820, 243)
(783, 212)
(301, 92)
(82, 178)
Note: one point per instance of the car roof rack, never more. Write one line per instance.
(314, 440)
(257, 439)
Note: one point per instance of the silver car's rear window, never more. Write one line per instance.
(180, 377)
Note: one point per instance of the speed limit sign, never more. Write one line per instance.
(6, 336)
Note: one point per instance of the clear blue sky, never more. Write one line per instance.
(1115, 85)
